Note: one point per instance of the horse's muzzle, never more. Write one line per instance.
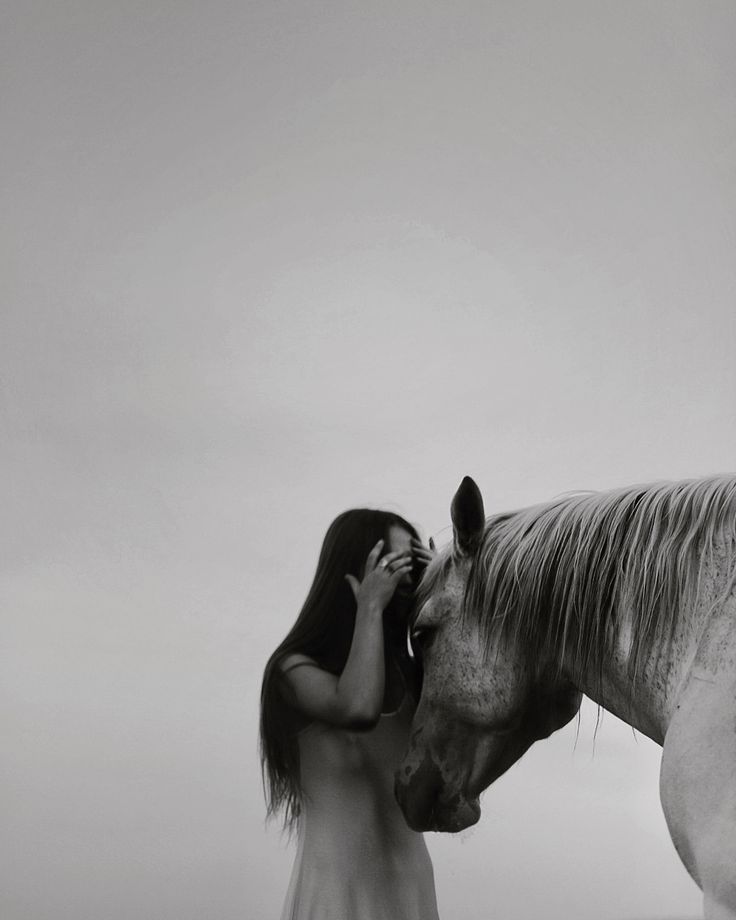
(427, 804)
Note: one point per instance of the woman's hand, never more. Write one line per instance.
(421, 555)
(380, 578)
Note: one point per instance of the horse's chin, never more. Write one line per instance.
(457, 815)
(446, 812)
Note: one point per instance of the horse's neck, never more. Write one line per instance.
(644, 703)
(646, 697)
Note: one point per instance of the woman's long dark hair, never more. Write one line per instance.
(324, 631)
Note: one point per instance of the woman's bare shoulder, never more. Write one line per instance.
(295, 660)
(305, 686)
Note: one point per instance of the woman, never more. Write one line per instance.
(336, 706)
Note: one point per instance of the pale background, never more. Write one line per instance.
(266, 261)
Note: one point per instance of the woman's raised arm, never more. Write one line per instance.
(354, 698)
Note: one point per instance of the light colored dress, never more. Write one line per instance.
(356, 858)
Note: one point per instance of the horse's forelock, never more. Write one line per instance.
(433, 579)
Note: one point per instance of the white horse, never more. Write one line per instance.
(627, 596)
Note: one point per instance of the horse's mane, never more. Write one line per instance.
(556, 576)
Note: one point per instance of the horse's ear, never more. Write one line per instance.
(468, 517)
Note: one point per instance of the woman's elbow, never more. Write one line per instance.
(362, 724)
(361, 718)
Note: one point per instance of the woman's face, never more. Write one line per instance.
(399, 540)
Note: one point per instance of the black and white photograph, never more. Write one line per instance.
(368, 399)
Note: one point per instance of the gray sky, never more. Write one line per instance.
(263, 262)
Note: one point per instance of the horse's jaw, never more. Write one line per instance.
(439, 782)
(429, 802)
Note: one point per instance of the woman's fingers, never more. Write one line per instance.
(370, 562)
(394, 558)
(398, 573)
(423, 555)
(354, 584)
(388, 562)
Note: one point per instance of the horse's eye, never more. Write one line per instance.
(418, 641)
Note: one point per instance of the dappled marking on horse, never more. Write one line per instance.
(627, 596)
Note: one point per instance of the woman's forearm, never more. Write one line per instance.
(360, 687)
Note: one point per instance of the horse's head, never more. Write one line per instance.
(480, 708)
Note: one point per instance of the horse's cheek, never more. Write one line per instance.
(457, 682)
